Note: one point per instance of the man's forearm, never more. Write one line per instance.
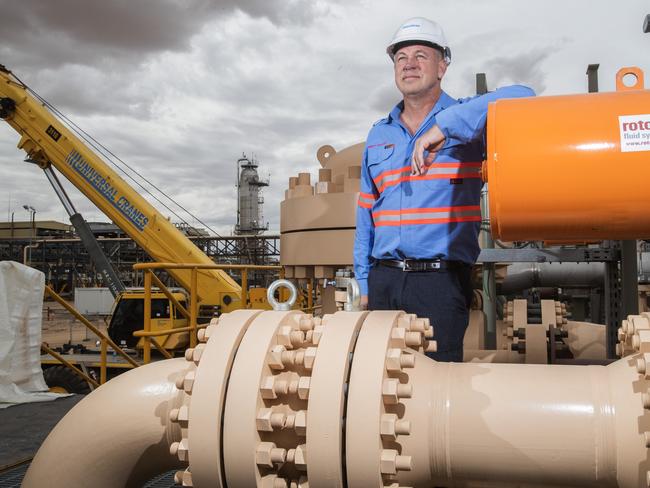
(466, 120)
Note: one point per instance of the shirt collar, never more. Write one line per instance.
(443, 102)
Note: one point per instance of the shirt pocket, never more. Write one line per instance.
(378, 154)
(379, 161)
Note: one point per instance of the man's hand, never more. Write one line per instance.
(364, 302)
(432, 141)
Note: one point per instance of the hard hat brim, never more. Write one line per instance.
(392, 49)
(444, 51)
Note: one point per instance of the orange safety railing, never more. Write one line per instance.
(192, 314)
(104, 339)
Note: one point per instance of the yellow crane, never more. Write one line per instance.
(49, 143)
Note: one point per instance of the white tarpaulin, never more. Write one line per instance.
(21, 306)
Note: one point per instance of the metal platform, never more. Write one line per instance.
(12, 478)
(24, 427)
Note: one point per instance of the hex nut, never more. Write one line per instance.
(300, 422)
(316, 334)
(300, 457)
(387, 426)
(274, 357)
(391, 462)
(393, 360)
(303, 387)
(393, 390)
(646, 400)
(398, 338)
(266, 454)
(284, 336)
(197, 353)
(183, 414)
(267, 388)
(179, 449)
(289, 337)
(404, 321)
(263, 420)
(188, 381)
(310, 357)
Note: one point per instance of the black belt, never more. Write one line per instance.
(420, 264)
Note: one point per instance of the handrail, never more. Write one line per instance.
(68, 364)
(158, 333)
(205, 266)
(171, 296)
(192, 314)
(103, 337)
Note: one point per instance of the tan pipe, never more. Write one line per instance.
(512, 424)
(283, 399)
(116, 436)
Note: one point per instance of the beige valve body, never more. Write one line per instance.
(283, 399)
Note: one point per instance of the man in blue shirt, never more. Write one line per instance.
(419, 214)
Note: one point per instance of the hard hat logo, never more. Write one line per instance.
(422, 30)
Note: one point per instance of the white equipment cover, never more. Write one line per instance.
(21, 306)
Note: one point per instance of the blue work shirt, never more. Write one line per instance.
(436, 215)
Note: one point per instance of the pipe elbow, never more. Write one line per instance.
(119, 435)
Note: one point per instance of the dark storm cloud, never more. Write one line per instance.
(180, 88)
(45, 33)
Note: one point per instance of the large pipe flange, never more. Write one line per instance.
(282, 399)
(374, 455)
(265, 416)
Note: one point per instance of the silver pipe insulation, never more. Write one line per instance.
(528, 275)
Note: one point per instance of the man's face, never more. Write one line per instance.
(418, 69)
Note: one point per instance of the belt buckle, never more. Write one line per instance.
(406, 267)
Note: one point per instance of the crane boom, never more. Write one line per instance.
(47, 141)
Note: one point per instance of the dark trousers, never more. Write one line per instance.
(444, 296)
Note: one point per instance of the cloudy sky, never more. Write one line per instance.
(180, 88)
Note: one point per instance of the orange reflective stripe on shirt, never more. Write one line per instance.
(366, 200)
(436, 215)
(434, 171)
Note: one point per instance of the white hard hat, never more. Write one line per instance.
(420, 29)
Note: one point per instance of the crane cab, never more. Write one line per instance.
(128, 316)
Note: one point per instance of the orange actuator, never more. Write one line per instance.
(571, 167)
